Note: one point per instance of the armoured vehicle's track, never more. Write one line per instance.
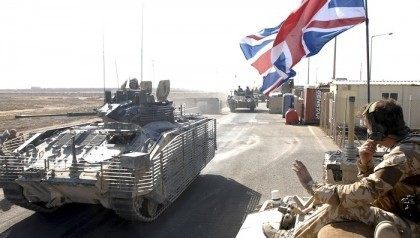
(131, 209)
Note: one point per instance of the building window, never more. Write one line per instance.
(390, 95)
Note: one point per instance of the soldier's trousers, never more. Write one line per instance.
(368, 215)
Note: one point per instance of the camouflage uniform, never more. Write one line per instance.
(375, 197)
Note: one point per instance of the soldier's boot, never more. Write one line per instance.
(269, 231)
(386, 229)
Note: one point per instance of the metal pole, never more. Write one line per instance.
(103, 58)
(309, 64)
(351, 151)
(410, 101)
(141, 49)
(367, 51)
(371, 52)
(335, 56)
(351, 122)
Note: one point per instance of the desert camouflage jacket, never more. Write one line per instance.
(397, 176)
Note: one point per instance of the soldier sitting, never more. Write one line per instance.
(386, 196)
(134, 84)
(248, 91)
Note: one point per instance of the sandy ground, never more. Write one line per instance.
(58, 101)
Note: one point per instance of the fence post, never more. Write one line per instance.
(215, 134)
(410, 101)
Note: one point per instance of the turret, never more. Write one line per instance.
(137, 104)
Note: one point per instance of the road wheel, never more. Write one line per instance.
(149, 207)
(136, 209)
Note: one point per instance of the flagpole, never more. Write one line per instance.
(335, 56)
(309, 64)
(367, 51)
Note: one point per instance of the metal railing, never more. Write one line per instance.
(172, 169)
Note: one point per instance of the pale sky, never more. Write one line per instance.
(195, 44)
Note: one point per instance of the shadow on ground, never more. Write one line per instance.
(212, 206)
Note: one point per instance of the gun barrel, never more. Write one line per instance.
(69, 114)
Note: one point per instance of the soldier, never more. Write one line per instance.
(386, 196)
(248, 91)
(134, 84)
(240, 90)
(13, 134)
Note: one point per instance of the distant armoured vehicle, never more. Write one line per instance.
(260, 96)
(242, 100)
(136, 161)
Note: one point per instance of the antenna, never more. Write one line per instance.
(116, 71)
(141, 49)
(103, 57)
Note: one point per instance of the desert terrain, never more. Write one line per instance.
(61, 101)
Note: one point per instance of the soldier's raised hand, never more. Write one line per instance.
(303, 174)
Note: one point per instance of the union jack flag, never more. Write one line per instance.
(257, 50)
(303, 33)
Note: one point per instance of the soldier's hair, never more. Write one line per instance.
(390, 115)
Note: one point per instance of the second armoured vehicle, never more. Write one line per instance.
(241, 99)
(136, 161)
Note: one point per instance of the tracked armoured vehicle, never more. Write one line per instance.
(136, 161)
(241, 100)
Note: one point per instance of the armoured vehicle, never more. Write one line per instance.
(136, 161)
(241, 100)
(260, 96)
